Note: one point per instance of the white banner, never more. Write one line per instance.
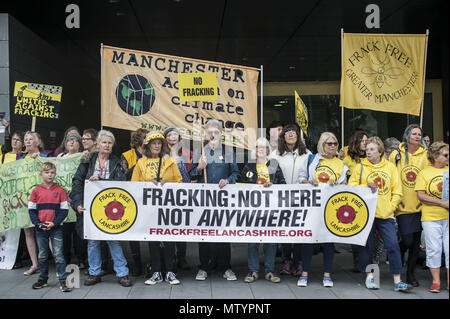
(244, 213)
(9, 242)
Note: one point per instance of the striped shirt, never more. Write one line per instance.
(48, 205)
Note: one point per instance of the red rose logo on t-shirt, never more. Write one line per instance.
(411, 176)
(379, 182)
(114, 210)
(439, 187)
(323, 177)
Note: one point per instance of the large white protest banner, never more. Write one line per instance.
(236, 213)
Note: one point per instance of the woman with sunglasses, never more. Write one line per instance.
(410, 159)
(323, 167)
(291, 155)
(429, 188)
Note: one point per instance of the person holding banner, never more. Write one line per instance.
(429, 188)
(291, 154)
(377, 173)
(100, 165)
(355, 152)
(215, 164)
(323, 167)
(33, 146)
(410, 159)
(128, 161)
(265, 172)
(157, 166)
(177, 151)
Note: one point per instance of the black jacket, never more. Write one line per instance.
(85, 171)
(249, 174)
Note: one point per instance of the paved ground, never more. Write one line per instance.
(347, 285)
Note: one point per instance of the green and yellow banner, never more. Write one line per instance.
(383, 72)
(19, 178)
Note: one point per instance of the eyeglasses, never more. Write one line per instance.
(86, 138)
(331, 143)
(213, 132)
(291, 133)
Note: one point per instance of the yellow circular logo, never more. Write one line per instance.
(346, 214)
(382, 180)
(409, 175)
(113, 210)
(324, 174)
(435, 186)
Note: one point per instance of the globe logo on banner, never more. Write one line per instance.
(135, 94)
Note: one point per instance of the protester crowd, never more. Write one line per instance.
(406, 210)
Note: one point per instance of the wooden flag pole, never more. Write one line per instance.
(424, 71)
(261, 107)
(205, 178)
(342, 107)
(33, 124)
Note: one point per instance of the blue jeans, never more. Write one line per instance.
(95, 258)
(270, 251)
(386, 227)
(56, 236)
(328, 256)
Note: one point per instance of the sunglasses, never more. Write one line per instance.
(331, 143)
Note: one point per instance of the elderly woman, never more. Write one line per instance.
(62, 147)
(291, 154)
(265, 172)
(72, 144)
(323, 167)
(100, 165)
(33, 146)
(157, 166)
(410, 159)
(434, 210)
(377, 173)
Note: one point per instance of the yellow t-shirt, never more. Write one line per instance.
(9, 157)
(329, 170)
(430, 180)
(263, 173)
(350, 163)
(147, 169)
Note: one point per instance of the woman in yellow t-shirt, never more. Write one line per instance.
(323, 167)
(434, 210)
(158, 167)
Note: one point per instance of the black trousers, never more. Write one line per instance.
(223, 255)
(70, 236)
(411, 243)
(163, 254)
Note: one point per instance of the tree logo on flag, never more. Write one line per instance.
(135, 94)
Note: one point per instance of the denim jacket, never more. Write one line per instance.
(221, 164)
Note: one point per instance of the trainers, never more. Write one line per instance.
(41, 283)
(270, 276)
(286, 270)
(172, 279)
(125, 281)
(435, 288)
(201, 275)
(251, 277)
(92, 280)
(370, 284)
(63, 287)
(401, 286)
(156, 278)
(302, 281)
(298, 272)
(327, 282)
(229, 275)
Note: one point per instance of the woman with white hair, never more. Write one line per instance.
(323, 167)
(265, 172)
(99, 165)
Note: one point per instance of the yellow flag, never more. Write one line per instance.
(301, 114)
(383, 72)
(141, 90)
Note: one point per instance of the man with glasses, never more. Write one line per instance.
(219, 163)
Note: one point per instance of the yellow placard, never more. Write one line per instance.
(301, 114)
(197, 86)
(383, 72)
(35, 91)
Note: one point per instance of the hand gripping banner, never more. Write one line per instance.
(243, 213)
